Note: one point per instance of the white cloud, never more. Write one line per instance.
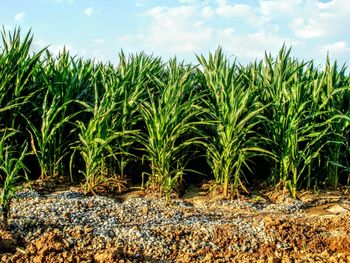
(325, 5)
(247, 29)
(99, 40)
(251, 46)
(227, 10)
(273, 8)
(55, 49)
(177, 29)
(89, 11)
(337, 48)
(98, 56)
(307, 28)
(183, 30)
(174, 30)
(244, 11)
(320, 19)
(38, 44)
(188, 2)
(207, 12)
(130, 38)
(19, 16)
(339, 51)
(140, 3)
(226, 32)
(64, 1)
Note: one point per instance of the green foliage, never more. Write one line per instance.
(10, 168)
(63, 82)
(169, 116)
(97, 137)
(106, 138)
(80, 115)
(300, 120)
(235, 110)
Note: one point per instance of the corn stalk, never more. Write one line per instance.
(235, 111)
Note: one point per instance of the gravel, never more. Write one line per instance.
(151, 227)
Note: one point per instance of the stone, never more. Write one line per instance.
(337, 209)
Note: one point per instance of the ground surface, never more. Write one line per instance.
(62, 225)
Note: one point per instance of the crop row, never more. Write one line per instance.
(279, 119)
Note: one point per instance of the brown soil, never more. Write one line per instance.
(307, 244)
(322, 234)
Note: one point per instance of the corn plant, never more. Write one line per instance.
(297, 119)
(63, 84)
(235, 111)
(77, 114)
(17, 72)
(96, 136)
(105, 135)
(135, 75)
(169, 115)
(17, 88)
(337, 87)
(10, 168)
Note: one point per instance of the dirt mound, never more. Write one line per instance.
(69, 227)
(301, 238)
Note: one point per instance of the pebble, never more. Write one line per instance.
(337, 209)
(145, 225)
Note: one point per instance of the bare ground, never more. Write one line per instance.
(260, 228)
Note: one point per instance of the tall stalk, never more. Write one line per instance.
(106, 138)
(10, 168)
(169, 116)
(235, 111)
(64, 82)
(337, 87)
(17, 74)
(136, 75)
(297, 119)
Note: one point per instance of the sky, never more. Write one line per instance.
(99, 29)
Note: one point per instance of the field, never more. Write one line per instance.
(218, 151)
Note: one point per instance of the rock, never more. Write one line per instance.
(105, 256)
(38, 259)
(274, 259)
(48, 243)
(337, 209)
(8, 242)
(69, 227)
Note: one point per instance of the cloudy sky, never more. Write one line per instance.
(245, 29)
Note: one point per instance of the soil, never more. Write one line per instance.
(320, 234)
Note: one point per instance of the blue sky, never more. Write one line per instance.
(245, 29)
